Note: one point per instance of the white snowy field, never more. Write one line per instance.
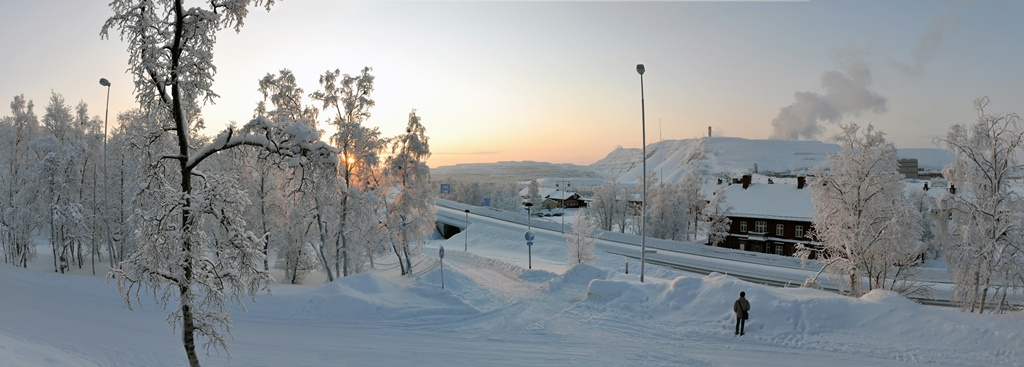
(493, 311)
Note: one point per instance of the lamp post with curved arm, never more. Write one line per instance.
(106, 206)
(643, 201)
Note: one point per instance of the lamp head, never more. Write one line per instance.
(104, 82)
(640, 68)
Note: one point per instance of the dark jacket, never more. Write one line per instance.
(741, 306)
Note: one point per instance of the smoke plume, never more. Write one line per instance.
(928, 46)
(846, 93)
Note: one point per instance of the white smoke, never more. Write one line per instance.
(928, 46)
(845, 93)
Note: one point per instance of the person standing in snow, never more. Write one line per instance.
(740, 307)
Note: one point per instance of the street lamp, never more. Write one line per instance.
(528, 206)
(643, 201)
(106, 206)
(467, 232)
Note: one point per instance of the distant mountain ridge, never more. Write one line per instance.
(714, 156)
(513, 171)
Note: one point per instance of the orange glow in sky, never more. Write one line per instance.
(556, 81)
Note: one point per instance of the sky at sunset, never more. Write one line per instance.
(556, 81)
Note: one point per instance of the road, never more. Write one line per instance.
(753, 267)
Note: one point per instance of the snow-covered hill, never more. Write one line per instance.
(715, 156)
(732, 157)
(721, 156)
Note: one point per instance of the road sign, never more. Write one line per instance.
(529, 236)
(441, 252)
(446, 188)
(529, 243)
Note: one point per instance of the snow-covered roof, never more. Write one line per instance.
(548, 193)
(542, 191)
(562, 194)
(773, 201)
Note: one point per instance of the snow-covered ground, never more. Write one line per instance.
(494, 311)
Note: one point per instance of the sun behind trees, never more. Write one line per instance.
(197, 248)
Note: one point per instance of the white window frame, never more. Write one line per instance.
(780, 229)
(761, 226)
(798, 231)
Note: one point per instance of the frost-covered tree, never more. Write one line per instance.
(411, 213)
(533, 193)
(610, 206)
(985, 247)
(502, 195)
(61, 151)
(170, 47)
(360, 148)
(285, 97)
(16, 221)
(581, 241)
(134, 132)
(282, 102)
(317, 187)
(925, 205)
(693, 200)
(861, 217)
(716, 212)
(91, 181)
(667, 216)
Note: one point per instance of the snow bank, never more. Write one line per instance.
(368, 297)
(804, 318)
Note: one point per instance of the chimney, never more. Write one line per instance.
(926, 186)
(709, 131)
(746, 181)
(801, 181)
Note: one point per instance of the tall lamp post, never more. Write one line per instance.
(466, 245)
(643, 201)
(106, 206)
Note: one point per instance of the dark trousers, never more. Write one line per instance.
(740, 321)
